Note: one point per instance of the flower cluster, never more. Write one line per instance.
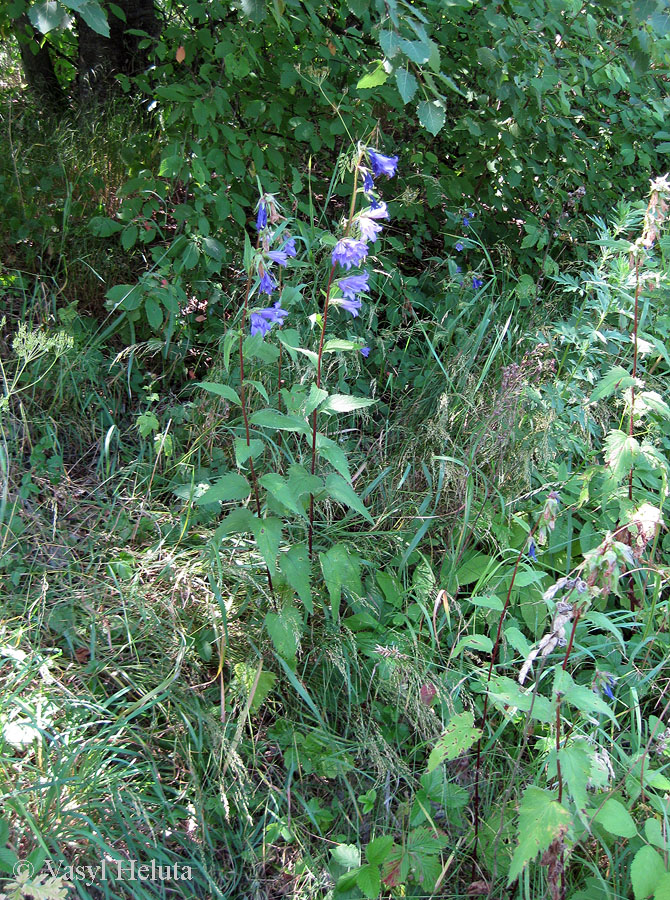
(350, 252)
(268, 214)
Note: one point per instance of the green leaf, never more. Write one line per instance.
(616, 819)
(662, 890)
(417, 51)
(316, 396)
(458, 737)
(480, 642)
(374, 78)
(285, 630)
(268, 537)
(388, 41)
(341, 569)
(101, 226)
(254, 9)
(342, 491)
(49, 16)
(407, 84)
(338, 403)
(154, 313)
(271, 418)
(94, 16)
(239, 521)
(377, 850)
(346, 855)
(369, 881)
(616, 378)
(297, 570)
(244, 452)
(621, 451)
(506, 693)
(542, 820)
(280, 489)
(231, 487)
(334, 454)
(646, 872)
(431, 115)
(579, 695)
(576, 760)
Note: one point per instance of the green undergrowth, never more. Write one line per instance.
(365, 734)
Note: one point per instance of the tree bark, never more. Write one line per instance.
(101, 59)
(37, 64)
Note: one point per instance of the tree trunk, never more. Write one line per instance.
(37, 64)
(101, 59)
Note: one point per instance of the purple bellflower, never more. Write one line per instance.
(476, 283)
(352, 306)
(268, 284)
(365, 351)
(458, 246)
(278, 256)
(289, 247)
(353, 284)
(382, 165)
(368, 184)
(262, 217)
(368, 228)
(262, 322)
(349, 252)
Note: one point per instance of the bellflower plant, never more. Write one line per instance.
(352, 305)
(382, 165)
(368, 228)
(353, 284)
(267, 284)
(349, 252)
(262, 321)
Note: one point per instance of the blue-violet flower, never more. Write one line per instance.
(352, 306)
(458, 246)
(262, 217)
(367, 227)
(353, 284)
(289, 247)
(268, 284)
(365, 351)
(476, 283)
(278, 256)
(262, 322)
(382, 165)
(349, 252)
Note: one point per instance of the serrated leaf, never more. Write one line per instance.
(377, 850)
(280, 489)
(417, 51)
(407, 84)
(285, 630)
(231, 487)
(342, 491)
(239, 521)
(616, 379)
(94, 16)
(369, 881)
(506, 693)
(646, 872)
(579, 695)
(388, 41)
(271, 418)
(341, 569)
(621, 451)
(616, 819)
(154, 313)
(479, 642)
(662, 890)
(458, 737)
(334, 454)
(374, 78)
(254, 9)
(268, 537)
(542, 820)
(49, 16)
(346, 855)
(245, 452)
(341, 403)
(316, 396)
(297, 570)
(576, 760)
(431, 115)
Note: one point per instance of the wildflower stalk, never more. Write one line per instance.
(638, 287)
(494, 657)
(352, 210)
(245, 416)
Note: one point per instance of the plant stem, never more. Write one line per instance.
(243, 402)
(632, 387)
